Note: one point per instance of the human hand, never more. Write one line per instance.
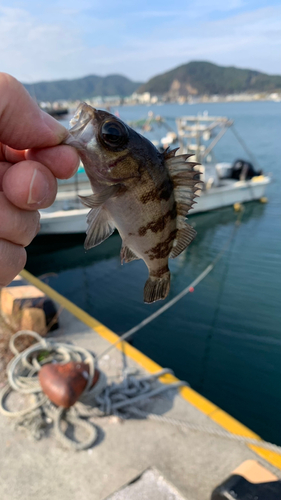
(30, 161)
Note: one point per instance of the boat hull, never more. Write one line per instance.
(73, 221)
(64, 221)
(230, 193)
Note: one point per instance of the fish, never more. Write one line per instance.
(142, 193)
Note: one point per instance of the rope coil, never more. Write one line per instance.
(123, 399)
(100, 400)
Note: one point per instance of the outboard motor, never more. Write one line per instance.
(243, 170)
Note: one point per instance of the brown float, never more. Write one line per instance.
(64, 384)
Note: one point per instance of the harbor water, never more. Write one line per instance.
(225, 337)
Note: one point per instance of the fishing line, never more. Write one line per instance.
(178, 297)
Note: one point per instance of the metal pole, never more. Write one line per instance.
(216, 139)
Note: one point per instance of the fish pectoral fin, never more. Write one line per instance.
(183, 238)
(156, 288)
(97, 199)
(100, 227)
(127, 255)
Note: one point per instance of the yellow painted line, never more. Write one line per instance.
(76, 311)
(231, 424)
(204, 405)
(102, 330)
(201, 403)
(271, 456)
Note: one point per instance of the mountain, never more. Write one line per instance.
(82, 88)
(194, 78)
(201, 78)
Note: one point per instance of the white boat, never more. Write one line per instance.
(224, 184)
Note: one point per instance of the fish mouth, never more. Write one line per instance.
(83, 114)
(82, 128)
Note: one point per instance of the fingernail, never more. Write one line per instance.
(38, 189)
(57, 128)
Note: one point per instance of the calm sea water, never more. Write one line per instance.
(225, 338)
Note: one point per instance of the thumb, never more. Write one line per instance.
(23, 124)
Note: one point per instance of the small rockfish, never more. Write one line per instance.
(143, 193)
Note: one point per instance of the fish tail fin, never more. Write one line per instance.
(156, 288)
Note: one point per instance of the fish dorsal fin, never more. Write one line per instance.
(127, 255)
(170, 153)
(183, 239)
(97, 199)
(100, 227)
(186, 181)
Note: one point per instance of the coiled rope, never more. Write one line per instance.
(99, 400)
(123, 399)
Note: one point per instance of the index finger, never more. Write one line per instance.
(23, 124)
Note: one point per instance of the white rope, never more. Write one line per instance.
(206, 429)
(22, 377)
(101, 399)
(155, 315)
(123, 399)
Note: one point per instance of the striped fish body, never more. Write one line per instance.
(138, 190)
(145, 216)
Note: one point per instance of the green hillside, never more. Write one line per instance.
(194, 78)
(198, 78)
(82, 88)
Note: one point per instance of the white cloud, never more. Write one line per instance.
(249, 40)
(32, 49)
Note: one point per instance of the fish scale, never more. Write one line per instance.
(141, 192)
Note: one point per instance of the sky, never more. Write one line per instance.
(57, 39)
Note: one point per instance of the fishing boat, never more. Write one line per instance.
(225, 183)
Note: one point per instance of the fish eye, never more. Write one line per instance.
(113, 133)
